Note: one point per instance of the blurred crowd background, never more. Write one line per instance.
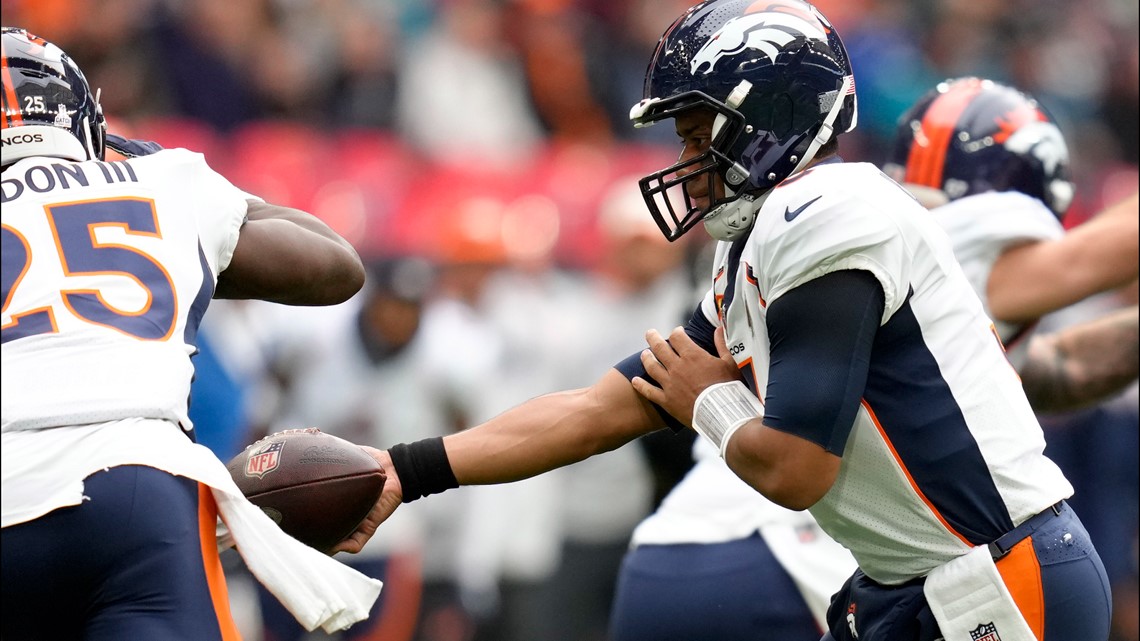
(478, 153)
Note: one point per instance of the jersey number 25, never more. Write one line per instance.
(80, 254)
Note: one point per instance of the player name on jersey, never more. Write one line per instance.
(65, 175)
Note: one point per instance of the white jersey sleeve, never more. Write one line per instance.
(835, 225)
(108, 268)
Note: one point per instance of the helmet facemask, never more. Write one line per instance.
(780, 86)
(660, 187)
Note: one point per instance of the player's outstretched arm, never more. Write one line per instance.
(288, 256)
(1083, 364)
(551, 431)
(1030, 281)
(542, 434)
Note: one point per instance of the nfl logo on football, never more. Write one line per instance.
(265, 460)
(985, 632)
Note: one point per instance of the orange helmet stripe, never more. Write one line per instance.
(927, 157)
(13, 116)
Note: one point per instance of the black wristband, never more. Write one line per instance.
(423, 468)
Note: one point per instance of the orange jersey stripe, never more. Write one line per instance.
(207, 535)
(1021, 572)
(927, 158)
(910, 479)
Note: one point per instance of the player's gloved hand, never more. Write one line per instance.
(132, 148)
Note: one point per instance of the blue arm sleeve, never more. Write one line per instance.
(132, 148)
(701, 331)
(821, 336)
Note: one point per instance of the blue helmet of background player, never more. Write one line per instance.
(969, 136)
(780, 83)
(49, 109)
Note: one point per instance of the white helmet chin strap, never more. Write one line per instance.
(731, 221)
(825, 130)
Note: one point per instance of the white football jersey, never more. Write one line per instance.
(983, 226)
(945, 452)
(108, 268)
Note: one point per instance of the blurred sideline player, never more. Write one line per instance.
(840, 362)
(712, 520)
(994, 167)
(356, 371)
(109, 508)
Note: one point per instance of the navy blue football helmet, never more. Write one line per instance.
(49, 109)
(777, 77)
(969, 136)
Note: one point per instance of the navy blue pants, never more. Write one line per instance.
(1071, 601)
(727, 591)
(138, 560)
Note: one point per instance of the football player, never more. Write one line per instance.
(993, 165)
(840, 361)
(109, 508)
(712, 524)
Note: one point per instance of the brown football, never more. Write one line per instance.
(316, 486)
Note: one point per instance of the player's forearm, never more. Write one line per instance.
(788, 470)
(1103, 254)
(540, 435)
(1108, 251)
(1083, 364)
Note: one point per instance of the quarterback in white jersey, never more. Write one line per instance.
(109, 507)
(840, 363)
(938, 352)
(712, 507)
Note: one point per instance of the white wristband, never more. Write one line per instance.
(722, 409)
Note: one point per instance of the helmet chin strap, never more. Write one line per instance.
(732, 221)
(88, 138)
(825, 129)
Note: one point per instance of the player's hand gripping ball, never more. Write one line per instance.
(316, 486)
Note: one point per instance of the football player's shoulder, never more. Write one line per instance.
(833, 217)
(181, 171)
(998, 217)
(827, 200)
(175, 159)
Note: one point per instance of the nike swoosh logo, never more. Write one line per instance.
(790, 214)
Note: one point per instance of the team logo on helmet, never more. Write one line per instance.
(1041, 140)
(768, 32)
